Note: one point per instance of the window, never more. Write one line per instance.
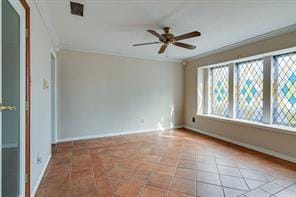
(261, 90)
(284, 90)
(219, 90)
(250, 90)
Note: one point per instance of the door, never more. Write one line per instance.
(12, 99)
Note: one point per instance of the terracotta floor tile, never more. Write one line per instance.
(178, 194)
(187, 164)
(183, 186)
(207, 167)
(257, 193)
(231, 171)
(206, 159)
(118, 172)
(52, 192)
(150, 191)
(292, 188)
(58, 169)
(206, 190)
(54, 185)
(83, 183)
(135, 165)
(185, 173)
(234, 182)
(254, 183)
(225, 162)
(161, 181)
(229, 192)
(207, 177)
(286, 193)
(254, 174)
(128, 189)
(271, 187)
(164, 170)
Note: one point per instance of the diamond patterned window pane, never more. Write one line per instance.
(284, 90)
(219, 90)
(250, 90)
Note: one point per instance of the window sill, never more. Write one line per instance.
(275, 128)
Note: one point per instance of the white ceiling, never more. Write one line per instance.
(112, 26)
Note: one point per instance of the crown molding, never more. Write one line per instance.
(245, 42)
(43, 12)
(104, 52)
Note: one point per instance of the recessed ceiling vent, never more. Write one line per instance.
(76, 8)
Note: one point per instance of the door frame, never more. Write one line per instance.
(54, 128)
(28, 101)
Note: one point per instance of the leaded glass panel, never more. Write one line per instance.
(284, 90)
(250, 90)
(219, 90)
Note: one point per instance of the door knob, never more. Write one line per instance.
(8, 107)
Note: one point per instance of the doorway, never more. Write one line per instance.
(53, 64)
(13, 98)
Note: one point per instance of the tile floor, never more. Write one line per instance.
(170, 163)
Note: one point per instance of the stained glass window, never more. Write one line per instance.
(284, 90)
(219, 90)
(250, 90)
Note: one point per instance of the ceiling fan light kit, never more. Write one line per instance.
(168, 38)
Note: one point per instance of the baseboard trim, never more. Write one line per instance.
(249, 146)
(116, 134)
(35, 188)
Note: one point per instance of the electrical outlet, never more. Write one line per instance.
(193, 119)
(142, 121)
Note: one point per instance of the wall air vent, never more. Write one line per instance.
(76, 8)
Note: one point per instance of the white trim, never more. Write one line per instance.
(35, 188)
(267, 89)
(271, 127)
(200, 90)
(206, 87)
(249, 146)
(43, 10)
(252, 57)
(117, 134)
(104, 52)
(252, 40)
(231, 95)
(55, 129)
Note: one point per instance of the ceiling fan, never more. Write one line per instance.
(168, 38)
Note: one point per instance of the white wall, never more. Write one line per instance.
(270, 140)
(40, 98)
(105, 94)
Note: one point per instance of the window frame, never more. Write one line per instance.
(203, 90)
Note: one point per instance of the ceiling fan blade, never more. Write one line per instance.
(186, 46)
(146, 43)
(156, 34)
(162, 48)
(188, 35)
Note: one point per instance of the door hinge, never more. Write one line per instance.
(26, 178)
(27, 106)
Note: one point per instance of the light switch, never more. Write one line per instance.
(45, 84)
